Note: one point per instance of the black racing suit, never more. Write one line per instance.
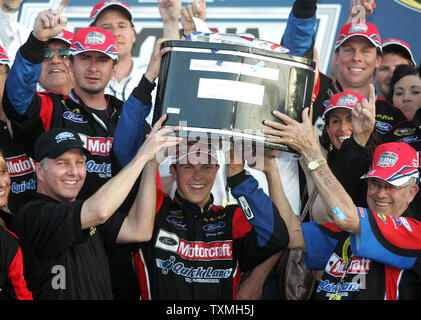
(200, 254)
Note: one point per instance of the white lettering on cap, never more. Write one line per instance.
(347, 100)
(64, 136)
(95, 37)
(358, 27)
(387, 159)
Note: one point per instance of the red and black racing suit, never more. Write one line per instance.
(200, 254)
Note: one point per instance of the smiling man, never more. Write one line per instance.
(368, 253)
(85, 109)
(358, 50)
(63, 240)
(56, 74)
(199, 250)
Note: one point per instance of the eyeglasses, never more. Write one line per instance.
(374, 185)
(61, 52)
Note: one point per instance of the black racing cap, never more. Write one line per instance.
(56, 141)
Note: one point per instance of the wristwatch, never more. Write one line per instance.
(313, 165)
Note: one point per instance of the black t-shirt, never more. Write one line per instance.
(61, 260)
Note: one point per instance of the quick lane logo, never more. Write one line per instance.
(218, 250)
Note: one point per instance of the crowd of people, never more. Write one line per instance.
(99, 202)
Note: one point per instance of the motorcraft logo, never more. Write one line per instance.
(97, 145)
(217, 250)
(19, 165)
(336, 266)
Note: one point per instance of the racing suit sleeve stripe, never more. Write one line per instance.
(256, 205)
(387, 240)
(129, 134)
(242, 226)
(46, 111)
(299, 34)
(16, 277)
(319, 245)
(21, 83)
(142, 275)
(393, 277)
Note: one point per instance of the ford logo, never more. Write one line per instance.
(212, 227)
(179, 224)
(168, 241)
(74, 117)
(382, 126)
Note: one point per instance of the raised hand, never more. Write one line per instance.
(154, 66)
(360, 10)
(50, 22)
(196, 10)
(364, 118)
(158, 141)
(300, 136)
(170, 14)
(169, 10)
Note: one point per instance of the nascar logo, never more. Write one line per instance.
(218, 250)
(387, 159)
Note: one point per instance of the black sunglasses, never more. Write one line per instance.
(62, 53)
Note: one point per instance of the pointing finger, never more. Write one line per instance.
(61, 7)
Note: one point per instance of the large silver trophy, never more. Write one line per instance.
(226, 89)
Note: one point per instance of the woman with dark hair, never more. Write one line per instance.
(348, 140)
(405, 93)
(405, 90)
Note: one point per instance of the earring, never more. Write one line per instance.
(330, 146)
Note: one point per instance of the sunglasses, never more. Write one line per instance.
(61, 52)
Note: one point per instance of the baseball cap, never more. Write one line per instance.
(65, 36)
(94, 39)
(345, 100)
(362, 29)
(199, 151)
(107, 4)
(393, 45)
(4, 59)
(56, 141)
(395, 163)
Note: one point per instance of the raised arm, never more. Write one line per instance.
(129, 135)
(300, 31)
(103, 203)
(304, 138)
(170, 15)
(23, 76)
(193, 10)
(278, 197)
